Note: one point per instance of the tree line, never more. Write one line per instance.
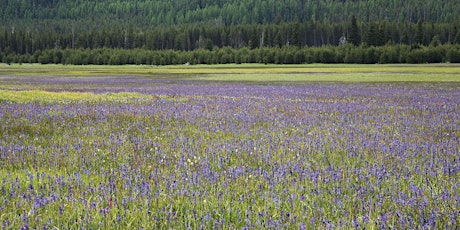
(191, 37)
(348, 53)
(235, 31)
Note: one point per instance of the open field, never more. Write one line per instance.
(256, 72)
(194, 147)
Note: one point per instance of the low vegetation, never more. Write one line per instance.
(158, 152)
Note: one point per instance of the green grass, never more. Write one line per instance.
(66, 97)
(46, 97)
(257, 72)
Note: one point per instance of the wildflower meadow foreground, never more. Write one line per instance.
(141, 153)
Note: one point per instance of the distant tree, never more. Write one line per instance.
(434, 54)
(453, 55)
(457, 38)
(295, 37)
(269, 56)
(299, 57)
(279, 41)
(279, 57)
(327, 55)
(208, 44)
(416, 56)
(278, 19)
(419, 33)
(405, 38)
(435, 42)
(288, 57)
(7, 59)
(355, 55)
(372, 38)
(254, 39)
(353, 34)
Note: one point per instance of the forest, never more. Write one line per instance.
(207, 32)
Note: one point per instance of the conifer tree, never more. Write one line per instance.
(353, 36)
(419, 33)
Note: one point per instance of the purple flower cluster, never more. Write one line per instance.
(214, 155)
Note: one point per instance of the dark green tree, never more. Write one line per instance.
(453, 55)
(295, 35)
(419, 33)
(353, 34)
(372, 38)
(435, 41)
(457, 38)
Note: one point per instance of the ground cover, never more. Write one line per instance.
(130, 151)
(157, 71)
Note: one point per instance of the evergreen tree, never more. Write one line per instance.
(435, 42)
(295, 38)
(372, 35)
(457, 38)
(453, 55)
(419, 33)
(353, 35)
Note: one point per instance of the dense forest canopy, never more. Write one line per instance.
(32, 29)
(148, 13)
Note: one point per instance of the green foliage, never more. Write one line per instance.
(266, 55)
(435, 41)
(193, 37)
(107, 13)
(457, 38)
(354, 36)
(453, 55)
(419, 33)
(44, 97)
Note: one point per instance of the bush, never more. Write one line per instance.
(372, 56)
(416, 56)
(433, 55)
(355, 56)
(453, 56)
(7, 59)
(326, 55)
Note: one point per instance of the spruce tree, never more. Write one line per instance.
(371, 35)
(353, 36)
(419, 33)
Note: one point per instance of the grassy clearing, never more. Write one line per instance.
(46, 97)
(66, 97)
(256, 72)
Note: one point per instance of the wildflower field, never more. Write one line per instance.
(195, 148)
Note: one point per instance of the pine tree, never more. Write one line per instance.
(371, 35)
(419, 33)
(353, 35)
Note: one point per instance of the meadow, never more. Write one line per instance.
(230, 147)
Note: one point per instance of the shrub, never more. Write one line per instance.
(453, 56)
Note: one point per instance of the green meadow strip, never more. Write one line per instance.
(176, 70)
(46, 97)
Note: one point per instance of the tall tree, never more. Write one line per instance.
(457, 38)
(354, 35)
(419, 33)
(372, 35)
